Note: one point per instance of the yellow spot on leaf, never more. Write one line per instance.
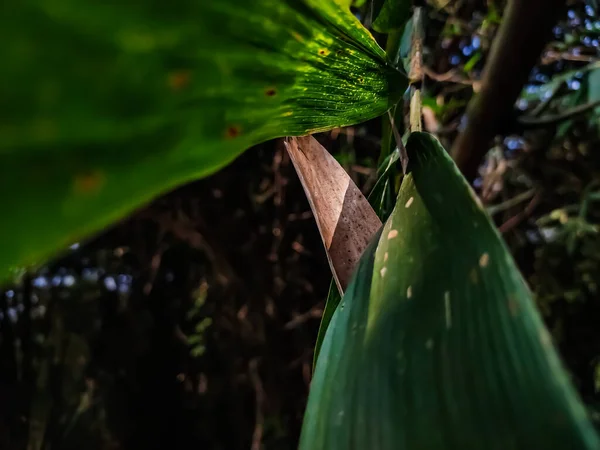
(392, 234)
(385, 256)
(383, 271)
(409, 292)
(545, 338)
(474, 277)
(89, 183)
(324, 52)
(409, 202)
(297, 36)
(484, 260)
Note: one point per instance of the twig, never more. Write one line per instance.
(518, 218)
(495, 209)
(399, 144)
(545, 103)
(313, 313)
(260, 400)
(452, 76)
(415, 74)
(551, 56)
(416, 124)
(544, 121)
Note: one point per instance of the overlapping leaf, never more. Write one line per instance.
(437, 343)
(381, 199)
(104, 105)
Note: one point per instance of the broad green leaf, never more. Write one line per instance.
(390, 15)
(105, 105)
(437, 343)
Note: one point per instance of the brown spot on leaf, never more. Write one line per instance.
(271, 92)
(297, 36)
(179, 80)
(233, 131)
(324, 52)
(88, 182)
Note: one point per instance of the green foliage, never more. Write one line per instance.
(333, 300)
(107, 105)
(390, 15)
(437, 343)
(549, 89)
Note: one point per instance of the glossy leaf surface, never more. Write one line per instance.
(437, 343)
(105, 105)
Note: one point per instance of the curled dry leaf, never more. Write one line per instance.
(346, 220)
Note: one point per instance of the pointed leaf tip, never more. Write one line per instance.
(438, 344)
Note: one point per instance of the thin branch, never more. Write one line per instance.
(313, 313)
(544, 121)
(520, 217)
(399, 144)
(515, 51)
(260, 400)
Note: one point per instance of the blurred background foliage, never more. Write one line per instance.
(192, 323)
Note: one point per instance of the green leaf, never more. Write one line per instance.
(406, 44)
(437, 343)
(390, 15)
(106, 105)
(549, 88)
(383, 194)
(333, 300)
(472, 62)
(594, 92)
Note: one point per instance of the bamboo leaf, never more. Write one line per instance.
(345, 219)
(108, 104)
(437, 343)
